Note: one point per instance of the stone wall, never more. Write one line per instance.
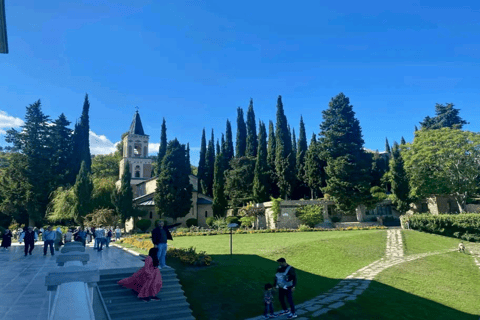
(474, 208)
(286, 218)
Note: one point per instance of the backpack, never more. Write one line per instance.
(282, 279)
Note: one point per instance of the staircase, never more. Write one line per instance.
(122, 303)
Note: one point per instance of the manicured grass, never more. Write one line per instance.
(233, 287)
(444, 286)
(420, 242)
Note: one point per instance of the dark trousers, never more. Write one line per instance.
(100, 243)
(268, 308)
(288, 293)
(28, 245)
(47, 243)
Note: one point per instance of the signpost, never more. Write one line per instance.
(232, 226)
(3, 29)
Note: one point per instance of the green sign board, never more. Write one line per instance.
(3, 29)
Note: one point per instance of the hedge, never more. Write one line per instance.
(462, 226)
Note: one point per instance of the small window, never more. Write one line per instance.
(151, 214)
(424, 208)
(137, 150)
(137, 172)
(206, 214)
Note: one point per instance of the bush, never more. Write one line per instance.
(220, 223)
(464, 226)
(310, 215)
(304, 228)
(247, 221)
(144, 224)
(335, 219)
(233, 219)
(210, 221)
(192, 222)
(190, 256)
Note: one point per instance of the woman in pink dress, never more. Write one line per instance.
(147, 281)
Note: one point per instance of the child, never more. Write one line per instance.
(461, 247)
(147, 281)
(268, 300)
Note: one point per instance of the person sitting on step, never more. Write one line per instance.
(146, 282)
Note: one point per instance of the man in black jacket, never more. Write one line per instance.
(160, 235)
(285, 281)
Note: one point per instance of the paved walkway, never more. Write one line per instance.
(23, 294)
(356, 283)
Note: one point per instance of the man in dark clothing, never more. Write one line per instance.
(29, 237)
(160, 235)
(285, 281)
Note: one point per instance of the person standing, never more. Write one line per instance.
(6, 239)
(117, 234)
(99, 238)
(49, 238)
(80, 236)
(68, 235)
(58, 239)
(285, 281)
(160, 235)
(29, 237)
(89, 235)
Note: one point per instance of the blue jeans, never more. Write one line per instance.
(162, 252)
(268, 308)
(108, 241)
(95, 245)
(281, 295)
(47, 243)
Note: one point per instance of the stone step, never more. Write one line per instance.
(127, 300)
(113, 282)
(153, 313)
(122, 292)
(122, 275)
(146, 307)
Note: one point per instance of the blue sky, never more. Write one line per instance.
(195, 62)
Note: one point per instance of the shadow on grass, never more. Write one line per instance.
(233, 289)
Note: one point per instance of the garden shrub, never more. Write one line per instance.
(310, 215)
(247, 221)
(192, 222)
(276, 209)
(190, 256)
(304, 227)
(210, 221)
(143, 224)
(233, 219)
(220, 223)
(463, 226)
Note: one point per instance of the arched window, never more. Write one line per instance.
(206, 214)
(137, 150)
(137, 172)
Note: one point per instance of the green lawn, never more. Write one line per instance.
(233, 287)
(419, 242)
(444, 286)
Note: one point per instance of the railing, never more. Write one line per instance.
(71, 287)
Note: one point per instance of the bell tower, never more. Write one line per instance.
(135, 151)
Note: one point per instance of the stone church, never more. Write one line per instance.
(135, 151)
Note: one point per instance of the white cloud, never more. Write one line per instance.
(153, 148)
(99, 144)
(8, 122)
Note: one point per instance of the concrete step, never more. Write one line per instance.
(147, 307)
(165, 273)
(126, 292)
(128, 295)
(127, 301)
(152, 315)
(113, 282)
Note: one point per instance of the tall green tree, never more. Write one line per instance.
(123, 197)
(228, 154)
(284, 156)
(162, 149)
(252, 143)
(402, 141)
(399, 181)
(271, 146)
(81, 144)
(220, 202)
(217, 147)
(302, 148)
(173, 196)
(105, 166)
(210, 167)
(188, 164)
(62, 151)
(202, 169)
(239, 181)
(348, 166)
(261, 179)
(82, 191)
(446, 116)
(387, 146)
(241, 134)
(314, 175)
(443, 162)
(35, 142)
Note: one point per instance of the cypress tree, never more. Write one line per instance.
(294, 149)
(241, 134)
(83, 193)
(202, 170)
(251, 149)
(387, 146)
(416, 129)
(228, 155)
(82, 137)
(300, 160)
(173, 196)
(271, 160)
(283, 153)
(62, 155)
(162, 150)
(210, 166)
(314, 175)
(348, 166)
(222, 145)
(220, 202)
(218, 147)
(402, 141)
(399, 181)
(188, 164)
(261, 183)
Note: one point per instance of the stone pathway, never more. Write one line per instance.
(356, 283)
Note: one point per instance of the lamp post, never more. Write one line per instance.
(232, 226)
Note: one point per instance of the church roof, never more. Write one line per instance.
(136, 126)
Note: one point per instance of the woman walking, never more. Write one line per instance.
(58, 239)
(6, 239)
(147, 281)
